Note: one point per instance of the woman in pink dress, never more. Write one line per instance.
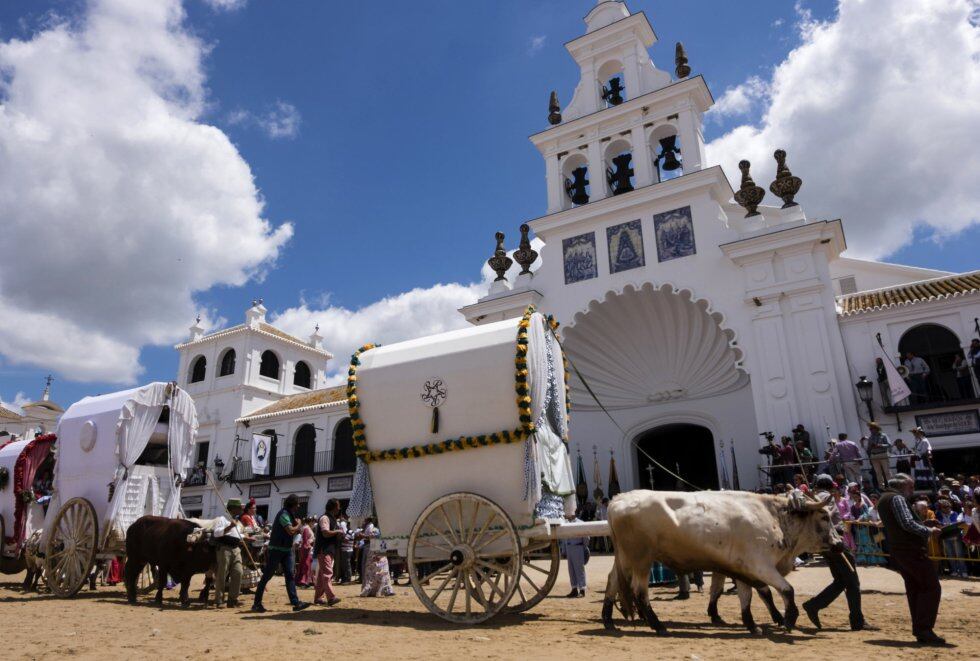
(304, 573)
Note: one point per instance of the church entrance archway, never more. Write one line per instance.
(684, 448)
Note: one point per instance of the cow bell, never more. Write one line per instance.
(669, 153)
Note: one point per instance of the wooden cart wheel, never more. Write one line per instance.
(469, 550)
(70, 551)
(540, 560)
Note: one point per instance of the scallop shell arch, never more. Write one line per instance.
(645, 345)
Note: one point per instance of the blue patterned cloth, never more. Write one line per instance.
(362, 496)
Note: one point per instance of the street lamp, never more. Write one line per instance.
(865, 388)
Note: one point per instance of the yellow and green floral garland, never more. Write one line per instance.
(463, 442)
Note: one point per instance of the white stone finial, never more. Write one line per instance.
(197, 331)
(316, 340)
(255, 314)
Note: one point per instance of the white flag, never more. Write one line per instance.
(899, 390)
(261, 446)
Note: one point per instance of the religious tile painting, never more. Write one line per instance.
(580, 258)
(675, 234)
(625, 243)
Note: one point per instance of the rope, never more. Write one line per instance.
(622, 431)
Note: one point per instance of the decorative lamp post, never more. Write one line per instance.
(865, 392)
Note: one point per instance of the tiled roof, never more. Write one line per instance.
(926, 290)
(306, 400)
(7, 414)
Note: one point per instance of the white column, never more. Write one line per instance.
(597, 172)
(631, 73)
(555, 184)
(692, 141)
(642, 161)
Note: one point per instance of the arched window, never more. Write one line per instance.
(305, 450)
(269, 365)
(937, 346)
(302, 376)
(665, 149)
(344, 459)
(576, 180)
(199, 367)
(612, 83)
(227, 363)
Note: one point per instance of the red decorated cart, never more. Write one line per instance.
(26, 469)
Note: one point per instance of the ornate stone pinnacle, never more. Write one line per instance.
(525, 255)
(554, 110)
(680, 61)
(749, 195)
(785, 186)
(500, 262)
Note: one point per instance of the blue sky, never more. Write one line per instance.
(405, 141)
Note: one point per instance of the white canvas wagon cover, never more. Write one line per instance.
(101, 439)
(491, 436)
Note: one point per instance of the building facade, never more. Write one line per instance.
(33, 419)
(700, 317)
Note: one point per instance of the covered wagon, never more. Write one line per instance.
(25, 479)
(461, 443)
(120, 456)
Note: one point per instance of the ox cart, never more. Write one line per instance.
(461, 443)
(120, 456)
(25, 478)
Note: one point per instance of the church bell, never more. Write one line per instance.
(575, 187)
(614, 93)
(669, 153)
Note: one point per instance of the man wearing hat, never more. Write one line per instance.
(841, 567)
(227, 542)
(878, 446)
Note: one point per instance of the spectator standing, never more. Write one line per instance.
(918, 376)
(248, 517)
(328, 536)
(878, 447)
(787, 459)
(903, 457)
(577, 553)
(304, 574)
(284, 527)
(842, 569)
(346, 551)
(961, 369)
(922, 449)
(953, 547)
(907, 540)
(800, 434)
(848, 455)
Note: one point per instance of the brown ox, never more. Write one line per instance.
(750, 537)
(162, 542)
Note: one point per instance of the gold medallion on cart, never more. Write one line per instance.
(432, 388)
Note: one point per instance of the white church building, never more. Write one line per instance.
(700, 316)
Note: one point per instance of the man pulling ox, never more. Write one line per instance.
(754, 538)
(841, 566)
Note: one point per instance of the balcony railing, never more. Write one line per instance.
(289, 465)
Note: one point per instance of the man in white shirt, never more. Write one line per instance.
(918, 373)
(227, 541)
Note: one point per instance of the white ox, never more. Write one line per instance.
(751, 537)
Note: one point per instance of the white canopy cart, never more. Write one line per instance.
(120, 456)
(461, 442)
(25, 471)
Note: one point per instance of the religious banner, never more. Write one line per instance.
(675, 234)
(625, 242)
(950, 423)
(898, 389)
(580, 258)
(261, 445)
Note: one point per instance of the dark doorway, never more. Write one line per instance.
(273, 451)
(685, 449)
(344, 459)
(938, 346)
(305, 452)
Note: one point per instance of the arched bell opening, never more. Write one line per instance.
(575, 174)
(612, 83)
(678, 449)
(665, 148)
(618, 157)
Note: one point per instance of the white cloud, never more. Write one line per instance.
(421, 311)
(117, 203)
(282, 120)
(17, 405)
(879, 111)
(226, 5)
(536, 43)
(739, 100)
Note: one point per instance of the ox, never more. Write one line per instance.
(164, 542)
(751, 537)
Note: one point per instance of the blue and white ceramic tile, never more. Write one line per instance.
(625, 243)
(580, 258)
(675, 234)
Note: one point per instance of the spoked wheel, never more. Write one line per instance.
(540, 560)
(470, 552)
(70, 551)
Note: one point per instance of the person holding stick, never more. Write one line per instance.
(227, 542)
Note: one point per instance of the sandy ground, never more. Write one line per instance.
(101, 624)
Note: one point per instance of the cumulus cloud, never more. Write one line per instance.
(878, 109)
(117, 203)
(740, 100)
(17, 404)
(226, 5)
(421, 311)
(536, 43)
(282, 120)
